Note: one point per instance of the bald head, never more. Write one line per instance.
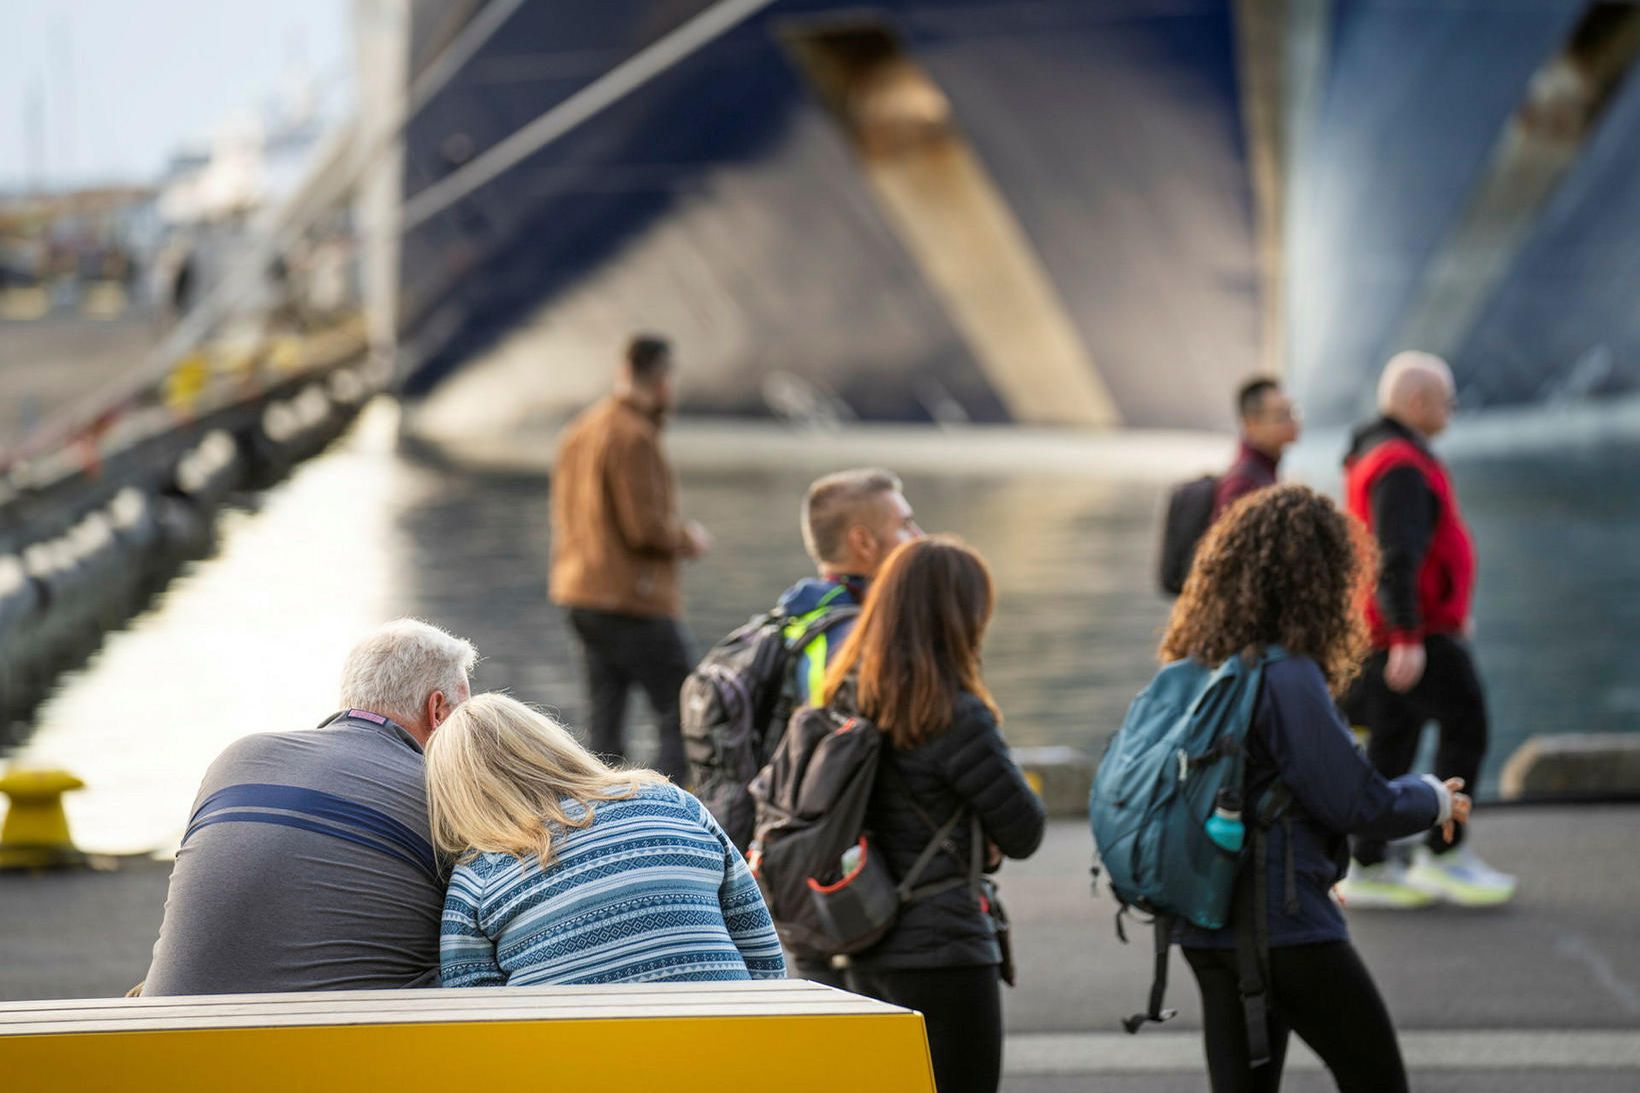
(1416, 389)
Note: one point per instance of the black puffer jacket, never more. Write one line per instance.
(965, 767)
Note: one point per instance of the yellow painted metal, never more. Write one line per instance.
(35, 833)
(186, 382)
(860, 1053)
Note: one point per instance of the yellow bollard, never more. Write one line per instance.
(35, 834)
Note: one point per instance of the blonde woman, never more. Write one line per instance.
(570, 871)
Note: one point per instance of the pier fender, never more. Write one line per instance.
(348, 389)
(208, 471)
(19, 596)
(187, 530)
(131, 513)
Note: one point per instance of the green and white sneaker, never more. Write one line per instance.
(1381, 887)
(1460, 877)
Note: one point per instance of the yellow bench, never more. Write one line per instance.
(785, 1037)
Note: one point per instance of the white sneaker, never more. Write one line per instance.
(1459, 876)
(1381, 887)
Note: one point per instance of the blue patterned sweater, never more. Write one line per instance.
(653, 890)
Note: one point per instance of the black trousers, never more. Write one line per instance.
(622, 650)
(1449, 693)
(1323, 993)
(962, 1011)
(818, 969)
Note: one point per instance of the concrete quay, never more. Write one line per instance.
(1540, 995)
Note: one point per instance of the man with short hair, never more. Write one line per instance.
(1269, 423)
(852, 521)
(617, 539)
(1419, 614)
(307, 863)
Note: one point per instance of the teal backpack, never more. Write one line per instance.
(1166, 807)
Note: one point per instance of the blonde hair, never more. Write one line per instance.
(501, 777)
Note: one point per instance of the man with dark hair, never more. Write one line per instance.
(616, 542)
(647, 356)
(1269, 423)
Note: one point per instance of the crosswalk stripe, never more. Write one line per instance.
(1041, 1054)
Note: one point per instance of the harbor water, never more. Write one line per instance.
(252, 639)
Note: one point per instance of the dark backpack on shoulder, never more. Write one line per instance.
(827, 887)
(1189, 513)
(736, 699)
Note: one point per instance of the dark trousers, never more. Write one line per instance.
(1323, 993)
(962, 1011)
(622, 650)
(818, 969)
(1449, 693)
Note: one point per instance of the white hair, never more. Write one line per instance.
(1407, 372)
(392, 671)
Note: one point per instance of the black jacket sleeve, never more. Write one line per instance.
(1403, 512)
(979, 770)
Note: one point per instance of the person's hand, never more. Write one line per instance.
(1405, 667)
(993, 856)
(1461, 805)
(700, 540)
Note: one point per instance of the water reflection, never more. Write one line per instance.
(253, 639)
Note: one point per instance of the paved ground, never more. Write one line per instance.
(1543, 995)
(49, 364)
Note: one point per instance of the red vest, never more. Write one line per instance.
(1447, 577)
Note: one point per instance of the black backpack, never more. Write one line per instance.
(827, 888)
(1189, 512)
(740, 691)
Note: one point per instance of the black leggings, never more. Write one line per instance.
(962, 1010)
(1323, 993)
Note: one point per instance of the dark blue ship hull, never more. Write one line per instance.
(722, 201)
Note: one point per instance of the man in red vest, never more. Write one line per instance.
(1420, 669)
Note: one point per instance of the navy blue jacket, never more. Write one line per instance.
(1298, 736)
(809, 595)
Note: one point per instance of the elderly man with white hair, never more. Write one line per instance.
(307, 863)
(1421, 669)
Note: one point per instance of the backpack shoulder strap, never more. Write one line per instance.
(829, 617)
(1163, 926)
(939, 842)
(1253, 950)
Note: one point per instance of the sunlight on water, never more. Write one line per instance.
(248, 641)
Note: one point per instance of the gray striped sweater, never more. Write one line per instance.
(653, 890)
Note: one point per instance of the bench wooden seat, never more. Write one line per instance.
(680, 1038)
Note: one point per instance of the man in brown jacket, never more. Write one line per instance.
(616, 541)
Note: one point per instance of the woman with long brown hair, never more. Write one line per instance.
(1283, 567)
(911, 666)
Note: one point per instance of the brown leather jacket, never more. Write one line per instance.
(616, 534)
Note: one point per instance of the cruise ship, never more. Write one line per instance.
(1091, 213)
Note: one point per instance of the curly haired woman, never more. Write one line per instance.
(1284, 567)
